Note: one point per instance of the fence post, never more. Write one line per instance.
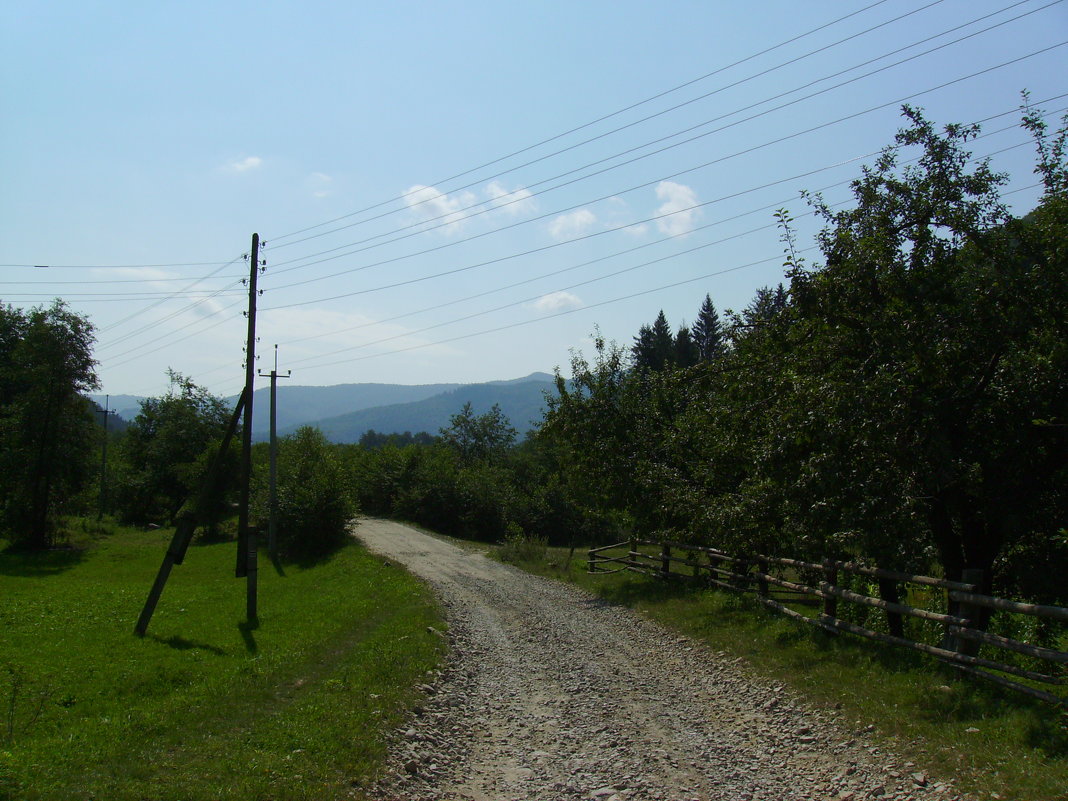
(762, 584)
(970, 575)
(633, 555)
(665, 560)
(830, 576)
(741, 568)
(695, 558)
(589, 567)
(894, 621)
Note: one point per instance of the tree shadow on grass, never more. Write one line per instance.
(184, 644)
(40, 564)
(629, 593)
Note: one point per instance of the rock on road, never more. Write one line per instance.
(553, 694)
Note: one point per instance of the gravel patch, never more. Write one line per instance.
(553, 694)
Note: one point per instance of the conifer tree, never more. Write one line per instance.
(708, 333)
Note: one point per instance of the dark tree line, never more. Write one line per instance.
(47, 432)
(903, 401)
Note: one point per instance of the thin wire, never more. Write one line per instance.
(488, 207)
(603, 258)
(494, 205)
(646, 184)
(157, 303)
(107, 280)
(596, 121)
(599, 304)
(164, 319)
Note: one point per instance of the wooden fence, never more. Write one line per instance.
(777, 582)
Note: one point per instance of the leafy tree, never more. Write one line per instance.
(925, 349)
(162, 453)
(476, 437)
(315, 505)
(46, 431)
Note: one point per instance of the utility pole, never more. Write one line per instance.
(104, 458)
(272, 520)
(246, 537)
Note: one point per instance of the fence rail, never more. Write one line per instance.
(962, 625)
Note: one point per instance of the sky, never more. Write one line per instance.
(460, 192)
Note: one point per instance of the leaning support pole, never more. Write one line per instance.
(183, 532)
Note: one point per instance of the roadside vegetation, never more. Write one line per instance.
(206, 706)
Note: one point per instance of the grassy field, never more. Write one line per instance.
(205, 706)
(991, 743)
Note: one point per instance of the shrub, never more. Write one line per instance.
(314, 503)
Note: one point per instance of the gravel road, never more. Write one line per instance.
(553, 694)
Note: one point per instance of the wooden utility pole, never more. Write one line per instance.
(104, 458)
(272, 521)
(246, 536)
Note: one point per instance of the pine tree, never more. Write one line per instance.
(654, 347)
(686, 353)
(708, 333)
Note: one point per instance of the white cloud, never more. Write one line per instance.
(318, 184)
(432, 205)
(619, 216)
(245, 164)
(514, 202)
(556, 301)
(568, 226)
(677, 217)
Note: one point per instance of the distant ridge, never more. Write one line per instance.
(345, 411)
(522, 401)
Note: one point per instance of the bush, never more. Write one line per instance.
(314, 502)
(521, 547)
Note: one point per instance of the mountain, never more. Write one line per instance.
(298, 405)
(127, 406)
(522, 401)
(345, 411)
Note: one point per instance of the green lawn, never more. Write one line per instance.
(990, 742)
(204, 706)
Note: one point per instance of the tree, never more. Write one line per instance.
(926, 348)
(477, 437)
(46, 430)
(315, 505)
(162, 453)
(708, 332)
(654, 347)
(686, 352)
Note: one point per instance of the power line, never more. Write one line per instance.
(490, 206)
(717, 160)
(630, 296)
(650, 117)
(599, 119)
(607, 257)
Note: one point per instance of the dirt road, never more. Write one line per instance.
(552, 694)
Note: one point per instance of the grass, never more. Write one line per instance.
(294, 706)
(991, 743)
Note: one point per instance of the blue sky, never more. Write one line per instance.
(501, 177)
